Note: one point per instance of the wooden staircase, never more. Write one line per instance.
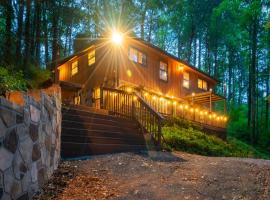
(89, 131)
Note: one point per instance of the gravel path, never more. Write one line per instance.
(160, 175)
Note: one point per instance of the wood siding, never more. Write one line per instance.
(112, 62)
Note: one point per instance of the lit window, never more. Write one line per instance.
(163, 71)
(186, 80)
(91, 57)
(74, 68)
(202, 84)
(137, 56)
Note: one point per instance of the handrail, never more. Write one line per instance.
(132, 105)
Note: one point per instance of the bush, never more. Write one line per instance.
(11, 80)
(195, 141)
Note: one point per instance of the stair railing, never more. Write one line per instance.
(131, 105)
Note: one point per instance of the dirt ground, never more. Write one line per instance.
(159, 175)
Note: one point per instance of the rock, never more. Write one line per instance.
(2, 128)
(22, 132)
(1, 192)
(6, 158)
(25, 148)
(12, 186)
(41, 176)
(33, 132)
(36, 154)
(23, 197)
(34, 114)
(8, 117)
(11, 141)
(19, 167)
(19, 119)
(34, 172)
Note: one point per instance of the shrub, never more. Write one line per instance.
(11, 80)
(178, 137)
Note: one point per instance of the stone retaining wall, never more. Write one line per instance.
(30, 132)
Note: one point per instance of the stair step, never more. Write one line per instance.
(86, 109)
(99, 120)
(100, 133)
(70, 149)
(103, 140)
(75, 124)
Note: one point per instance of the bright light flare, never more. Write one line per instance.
(117, 38)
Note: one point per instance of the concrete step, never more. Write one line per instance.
(71, 149)
(95, 126)
(100, 120)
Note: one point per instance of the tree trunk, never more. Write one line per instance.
(8, 10)
(27, 34)
(252, 81)
(200, 52)
(19, 30)
(267, 85)
(55, 49)
(38, 20)
(45, 28)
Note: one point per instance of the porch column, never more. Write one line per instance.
(210, 101)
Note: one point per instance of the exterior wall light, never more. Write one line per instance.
(117, 38)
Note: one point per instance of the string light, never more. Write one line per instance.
(181, 106)
(145, 94)
(197, 110)
(191, 110)
(154, 97)
(129, 89)
(134, 98)
(186, 106)
(174, 103)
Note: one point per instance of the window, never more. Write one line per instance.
(186, 80)
(74, 68)
(163, 71)
(91, 57)
(137, 56)
(202, 84)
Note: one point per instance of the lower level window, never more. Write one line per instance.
(186, 80)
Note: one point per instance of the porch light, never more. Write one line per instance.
(181, 68)
(145, 94)
(154, 97)
(117, 37)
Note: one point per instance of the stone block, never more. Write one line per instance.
(2, 128)
(11, 141)
(25, 148)
(33, 132)
(6, 158)
(36, 154)
(34, 172)
(12, 186)
(8, 117)
(34, 113)
(19, 119)
(1, 192)
(23, 197)
(26, 181)
(6, 196)
(22, 132)
(26, 117)
(19, 167)
(42, 176)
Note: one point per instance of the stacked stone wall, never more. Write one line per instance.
(30, 132)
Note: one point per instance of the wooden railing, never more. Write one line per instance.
(132, 106)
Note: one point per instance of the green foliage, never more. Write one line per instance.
(195, 141)
(11, 80)
(36, 76)
(178, 135)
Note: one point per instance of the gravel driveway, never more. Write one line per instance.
(160, 175)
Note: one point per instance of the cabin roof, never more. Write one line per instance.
(93, 42)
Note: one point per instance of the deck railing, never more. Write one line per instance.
(132, 106)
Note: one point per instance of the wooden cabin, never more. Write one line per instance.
(133, 65)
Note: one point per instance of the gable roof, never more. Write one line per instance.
(93, 42)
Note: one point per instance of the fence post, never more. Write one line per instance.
(132, 109)
(101, 98)
(159, 134)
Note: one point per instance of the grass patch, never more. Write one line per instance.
(194, 141)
